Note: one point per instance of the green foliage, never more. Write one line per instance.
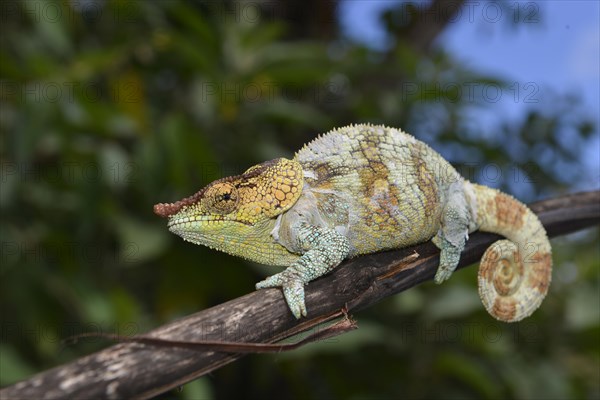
(105, 113)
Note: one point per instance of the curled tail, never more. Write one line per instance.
(514, 274)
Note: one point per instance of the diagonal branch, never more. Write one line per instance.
(140, 370)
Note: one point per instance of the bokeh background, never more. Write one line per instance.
(110, 106)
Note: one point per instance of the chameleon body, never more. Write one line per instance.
(362, 189)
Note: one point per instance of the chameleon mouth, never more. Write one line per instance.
(181, 224)
(187, 223)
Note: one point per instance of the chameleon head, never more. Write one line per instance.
(236, 214)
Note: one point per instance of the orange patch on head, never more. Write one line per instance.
(279, 195)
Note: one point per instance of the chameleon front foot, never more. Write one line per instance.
(293, 290)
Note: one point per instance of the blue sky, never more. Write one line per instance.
(558, 50)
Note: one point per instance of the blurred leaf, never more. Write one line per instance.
(410, 301)
(582, 309)
(12, 366)
(282, 111)
(467, 371)
(197, 389)
(454, 302)
(139, 241)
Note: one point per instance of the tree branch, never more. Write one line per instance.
(140, 370)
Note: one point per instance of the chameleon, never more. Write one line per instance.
(362, 189)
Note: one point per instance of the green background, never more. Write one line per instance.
(106, 111)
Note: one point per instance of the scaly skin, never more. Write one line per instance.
(362, 189)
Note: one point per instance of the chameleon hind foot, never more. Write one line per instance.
(449, 258)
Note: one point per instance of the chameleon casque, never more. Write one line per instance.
(362, 189)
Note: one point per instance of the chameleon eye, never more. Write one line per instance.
(221, 198)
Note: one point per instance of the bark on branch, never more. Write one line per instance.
(136, 370)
